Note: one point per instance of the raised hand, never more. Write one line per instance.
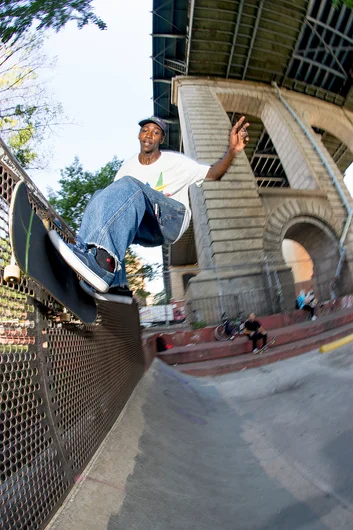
(239, 137)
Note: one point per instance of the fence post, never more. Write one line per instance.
(220, 293)
(278, 287)
(269, 281)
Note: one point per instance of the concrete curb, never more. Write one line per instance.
(336, 344)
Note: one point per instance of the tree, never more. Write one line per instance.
(161, 298)
(138, 274)
(338, 3)
(77, 187)
(27, 113)
(17, 17)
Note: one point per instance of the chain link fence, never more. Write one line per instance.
(203, 295)
(62, 384)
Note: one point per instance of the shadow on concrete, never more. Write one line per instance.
(196, 471)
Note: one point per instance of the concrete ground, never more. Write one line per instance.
(264, 449)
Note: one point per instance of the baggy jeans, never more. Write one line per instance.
(129, 212)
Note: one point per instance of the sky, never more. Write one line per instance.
(103, 80)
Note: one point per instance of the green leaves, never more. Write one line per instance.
(18, 17)
(161, 298)
(338, 3)
(78, 186)
(27, 112)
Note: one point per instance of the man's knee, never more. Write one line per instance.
(128, 181)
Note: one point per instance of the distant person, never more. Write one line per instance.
(254, 330)
(161, 344)
(307, 302)
(147, 204)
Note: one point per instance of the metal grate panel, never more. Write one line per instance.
(62, 385)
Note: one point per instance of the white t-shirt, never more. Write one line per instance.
(172, 174)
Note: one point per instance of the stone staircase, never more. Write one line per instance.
(215, 358)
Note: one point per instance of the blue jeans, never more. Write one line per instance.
(129, 212)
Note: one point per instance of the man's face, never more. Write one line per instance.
(151, 137)
(252, 317)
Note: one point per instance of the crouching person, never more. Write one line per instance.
(255, 332)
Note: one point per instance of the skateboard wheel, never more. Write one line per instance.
(12, 274)
(65, 317)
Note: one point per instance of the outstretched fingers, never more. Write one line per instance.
(240, 128)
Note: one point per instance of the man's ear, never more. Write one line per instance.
(162, 141)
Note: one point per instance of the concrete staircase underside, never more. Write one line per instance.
(216, 358)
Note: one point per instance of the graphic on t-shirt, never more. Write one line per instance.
(160, 186)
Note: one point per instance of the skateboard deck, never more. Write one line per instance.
(270, 342)
(37, 258)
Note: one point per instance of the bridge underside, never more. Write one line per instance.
(305, 47)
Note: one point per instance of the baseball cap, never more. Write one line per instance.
(153, 119)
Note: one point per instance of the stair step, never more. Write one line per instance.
(277, 353)
(241, 345)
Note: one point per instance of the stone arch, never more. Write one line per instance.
(262, 103)
(308, 210)
(319, 114)
(247, 101)
(310, 223)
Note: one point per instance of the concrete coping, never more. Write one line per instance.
(290, 192)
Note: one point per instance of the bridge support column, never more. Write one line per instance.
(236, 223)
(228, 215)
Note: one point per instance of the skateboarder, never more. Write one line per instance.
(147, 204)
(254, 330)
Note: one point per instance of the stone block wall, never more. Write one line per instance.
(235, 224)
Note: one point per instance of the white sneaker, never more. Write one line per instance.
(313, 318)
(256, 350)
(115, 294)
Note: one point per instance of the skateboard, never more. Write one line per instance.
(34, 255)
(261, 350)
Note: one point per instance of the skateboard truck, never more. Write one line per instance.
(65, 316)
(12, 272)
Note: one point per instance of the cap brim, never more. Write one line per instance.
(144, 122)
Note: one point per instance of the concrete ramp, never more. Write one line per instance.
(260, 450)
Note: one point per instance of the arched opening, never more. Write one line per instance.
(262, 155)
(186, 278)
(322, 246)
(299, 260)
(338, 150)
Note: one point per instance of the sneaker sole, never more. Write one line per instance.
(76, 264)
(105, 297)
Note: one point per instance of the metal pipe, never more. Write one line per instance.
(254, 33)
(327, 27)
(324, 162)
(191, 21)
(235, 35)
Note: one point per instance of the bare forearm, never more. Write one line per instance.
(218, 169)
(238, 139)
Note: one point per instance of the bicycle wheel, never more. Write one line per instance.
(221, 334)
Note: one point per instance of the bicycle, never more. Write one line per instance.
(228, 330)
